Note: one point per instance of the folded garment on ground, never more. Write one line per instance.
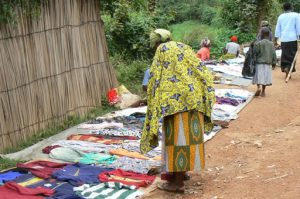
(94, 138)
(127, 178)
(100, 126)
(132, 154)
(63, 190)
(120, 132)
(10, 175)
(48, 149)
(12, 190)
(88, 147)
(78, 174)
(42, 169)
(135, 165)
(71, 155)
(108, 190)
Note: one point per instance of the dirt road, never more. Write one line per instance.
(258, 156)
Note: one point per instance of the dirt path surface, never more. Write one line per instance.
(258, 156)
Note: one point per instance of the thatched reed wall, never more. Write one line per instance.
(51, 66)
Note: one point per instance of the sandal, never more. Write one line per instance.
(171, 188)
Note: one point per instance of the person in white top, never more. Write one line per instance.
(288, 32)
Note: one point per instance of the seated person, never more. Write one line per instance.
(204, 53)
(232, 49)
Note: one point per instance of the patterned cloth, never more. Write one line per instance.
(184, 145)
(108, 190)
(94, 138)
(135, 165)
(178, 83)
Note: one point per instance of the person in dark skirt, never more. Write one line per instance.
(288, 32)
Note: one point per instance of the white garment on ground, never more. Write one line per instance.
(102, 125)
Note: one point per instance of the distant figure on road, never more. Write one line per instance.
(264, 24)
(288, 32)
(204, 53)
(265, 59)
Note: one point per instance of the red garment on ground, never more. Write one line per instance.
(42, 169)
(12, 190)
(48, 149)
(204, 54)
(127, 178)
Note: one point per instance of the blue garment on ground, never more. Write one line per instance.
(8, 176)
(63, 190)
(78, 174)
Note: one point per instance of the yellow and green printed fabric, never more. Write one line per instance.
(178, 83)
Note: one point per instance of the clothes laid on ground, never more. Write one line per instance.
(12, 190)
(88, 147)
(100, 126)
(10, 175)
(108, 190)
(120, 132)
(183, 148)
(42, 169)
(63, 190)
(65, 154)
(135, 165)
(224, 100)
(95, 138)
(78, 174)
(97, 158)
(132, 154)
(127, 178)
(127, 121)
(135, 147)
(48, 149)
(222, 115)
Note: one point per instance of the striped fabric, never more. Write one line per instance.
(109, 190)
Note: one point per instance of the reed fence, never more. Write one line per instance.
(51, 66)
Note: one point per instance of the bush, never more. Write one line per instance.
(130, 72)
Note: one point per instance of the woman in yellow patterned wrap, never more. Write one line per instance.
(180, 91)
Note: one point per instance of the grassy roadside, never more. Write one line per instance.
(58, 127)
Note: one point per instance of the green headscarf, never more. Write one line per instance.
(159, 35)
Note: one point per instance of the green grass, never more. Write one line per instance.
(192, 32)
(6, 163)
(57, 127)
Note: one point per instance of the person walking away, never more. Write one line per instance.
(288, 31)
(204, 53)
(180, 91)
(263, 25)
(265, 59)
